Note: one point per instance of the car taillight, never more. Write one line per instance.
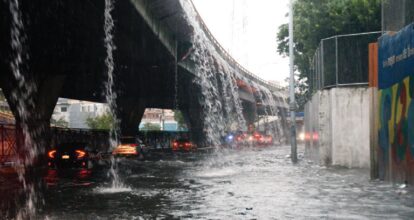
(80, 154)
(175, 144)
(187, 144)
(51, 154)
(315, 136)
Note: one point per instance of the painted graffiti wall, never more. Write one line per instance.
(396, 106)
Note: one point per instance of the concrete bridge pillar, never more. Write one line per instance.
(192, 113)
(249, 112)
(130, 112)
(33, 108)
(195, 124)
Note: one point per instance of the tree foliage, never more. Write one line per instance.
(179, 118)
(315, 20)
(151, 127)
(104, 121)
(61, 122)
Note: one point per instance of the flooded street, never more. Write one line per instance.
(237, 184)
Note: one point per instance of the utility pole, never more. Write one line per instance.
(292, 104)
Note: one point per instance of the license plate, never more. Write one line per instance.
(65, 157)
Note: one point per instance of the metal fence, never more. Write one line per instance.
(8, 144)
(341, 61)
(97, 139)
(397, 14)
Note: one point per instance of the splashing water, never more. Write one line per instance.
(110, 93)
(22, 95)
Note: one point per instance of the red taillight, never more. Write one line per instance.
(307, 136)
(315, 136)
(188, 144)
(80, 154)
(51, 154)
(175, 144)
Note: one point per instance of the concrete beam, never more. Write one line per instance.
(165, 35)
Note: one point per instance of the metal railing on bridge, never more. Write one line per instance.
(9, 137)
(341, 60)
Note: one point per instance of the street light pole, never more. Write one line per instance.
(292, 104)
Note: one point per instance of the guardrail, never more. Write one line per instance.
(223, 52)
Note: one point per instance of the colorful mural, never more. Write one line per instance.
(396, 108)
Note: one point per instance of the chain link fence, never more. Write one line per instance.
(397, 14)
(341, 61)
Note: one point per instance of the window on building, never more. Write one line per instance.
(63, 109)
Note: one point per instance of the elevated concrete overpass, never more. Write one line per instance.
(154, 43)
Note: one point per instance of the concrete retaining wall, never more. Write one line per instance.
(337, 127)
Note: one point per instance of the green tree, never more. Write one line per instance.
(179, 118)
(104, 121)
(61, 122)
(151, 127)
(315, 20)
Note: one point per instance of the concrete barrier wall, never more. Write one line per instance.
(337, 127)
(350, 127)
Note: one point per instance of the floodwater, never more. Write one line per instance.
(235, 184)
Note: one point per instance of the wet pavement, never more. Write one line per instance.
(235, 184)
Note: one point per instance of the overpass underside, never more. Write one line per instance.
(64, 42)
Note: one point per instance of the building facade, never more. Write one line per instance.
(76, 112)
(163, 118)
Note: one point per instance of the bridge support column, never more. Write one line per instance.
(195, 124)
(192, 113)
(130, 112)
(33, 110)
(249, 112)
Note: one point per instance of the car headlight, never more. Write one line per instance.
(301, 136)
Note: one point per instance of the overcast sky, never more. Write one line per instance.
(247, 29)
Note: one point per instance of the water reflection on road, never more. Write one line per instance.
(242, 184)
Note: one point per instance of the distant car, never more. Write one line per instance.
(69, 155)
(129, 147)
(252, 139)
(182, 144)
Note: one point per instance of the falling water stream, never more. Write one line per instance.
(110, 95)
(22, 95)
(221, 109)
(256, 183)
